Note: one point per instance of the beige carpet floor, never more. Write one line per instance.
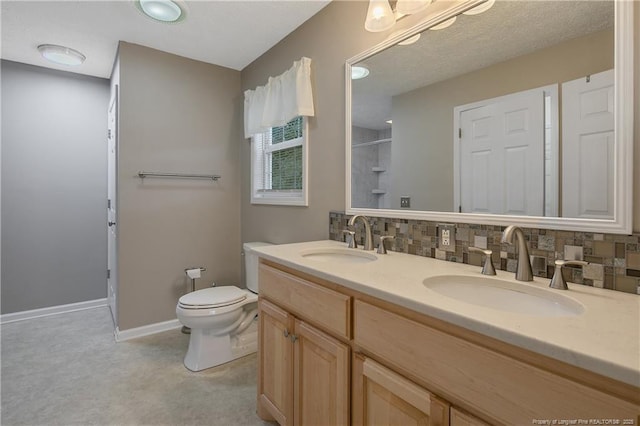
(67, 370)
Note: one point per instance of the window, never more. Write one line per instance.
(279, 165)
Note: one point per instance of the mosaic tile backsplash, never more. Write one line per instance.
(614, 260)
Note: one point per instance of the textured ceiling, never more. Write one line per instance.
(229, 33)
(509, 29)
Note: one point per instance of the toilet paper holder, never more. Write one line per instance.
(193, 273)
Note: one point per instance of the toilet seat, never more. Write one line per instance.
(214, 297)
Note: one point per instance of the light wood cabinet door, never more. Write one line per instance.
(321, 378)
(386, 398)
(460, 418)
(275, 364)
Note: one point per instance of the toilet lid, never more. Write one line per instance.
(213, 297)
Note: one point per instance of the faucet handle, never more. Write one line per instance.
(558, 281)
(381, 248)
(351, 238)
(487, 268)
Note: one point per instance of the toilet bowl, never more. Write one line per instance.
(223, 320)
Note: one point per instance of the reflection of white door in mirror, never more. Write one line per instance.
(502, 154)
(587, 146)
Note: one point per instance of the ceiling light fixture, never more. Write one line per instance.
(358, 72)
(167, 11)
(61, 55)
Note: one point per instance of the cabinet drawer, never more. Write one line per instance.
(319, 305)
(498, 387)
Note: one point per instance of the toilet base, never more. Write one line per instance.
(206, 350)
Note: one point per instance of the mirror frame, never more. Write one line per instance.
(623, 153)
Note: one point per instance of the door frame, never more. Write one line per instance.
(112, 259)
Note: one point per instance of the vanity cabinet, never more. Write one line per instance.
(469, 372)
(382, 397)
(332, 355)
(303, 371)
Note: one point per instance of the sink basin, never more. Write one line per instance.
(338, 255)
(504, 295)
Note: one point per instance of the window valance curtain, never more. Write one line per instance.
(279, 101)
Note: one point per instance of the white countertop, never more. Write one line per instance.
(604, 339)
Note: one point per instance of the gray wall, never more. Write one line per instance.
(176, 115)
(329, 38)
(53, 187)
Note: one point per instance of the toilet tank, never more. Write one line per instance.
(251, 264)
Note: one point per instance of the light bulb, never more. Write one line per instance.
(379, 16)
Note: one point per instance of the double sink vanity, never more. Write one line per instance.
(349, 336)
(353, 336)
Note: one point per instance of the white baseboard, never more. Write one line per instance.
(52, 310)
(145, 330)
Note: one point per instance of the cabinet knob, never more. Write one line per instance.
(294, 338)
(286, 333)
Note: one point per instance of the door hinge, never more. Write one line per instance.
(460, 209)
(108, 203)
(108, 273)
(109, 133)
(459, 132)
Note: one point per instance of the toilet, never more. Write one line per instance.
(223, 320)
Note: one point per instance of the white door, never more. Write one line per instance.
(501, 152)
(112, 276)
(587, 146)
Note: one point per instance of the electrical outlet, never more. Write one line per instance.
(447, 238)
(405, 202)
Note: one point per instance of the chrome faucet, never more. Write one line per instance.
(558, 281)
(381, 248)
(488, 268)
(351, 238)
(368, 237)
(523, 271)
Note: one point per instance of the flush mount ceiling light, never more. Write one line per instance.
(167, 11)
(61, 55)
(480, 8)
(358, 72)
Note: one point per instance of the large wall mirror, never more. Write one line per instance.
(520, 115)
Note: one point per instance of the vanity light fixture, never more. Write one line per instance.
(380, 17)
(358, 72)
(389, 121)
(166, 11)
(61, 55)
(480, 8)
